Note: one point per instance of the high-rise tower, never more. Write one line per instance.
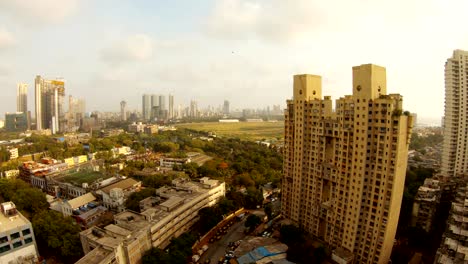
(22, 98)
(171, 106)
(226, 107)
(49, 97)
(344, 169)
(455, 146)
(123, 111)
(146, 111)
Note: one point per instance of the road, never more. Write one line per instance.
(217, 249)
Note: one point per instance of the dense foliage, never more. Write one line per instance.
(301, 248)
(178, 252)
(420, 142)
(56, 235)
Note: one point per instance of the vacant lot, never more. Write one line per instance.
(242, 130)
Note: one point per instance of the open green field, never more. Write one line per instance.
(243, 130)
(80, 177)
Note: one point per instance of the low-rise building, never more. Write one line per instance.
(454, 246)
(121, 151)
(170, 162)
(426, 203)
(17, 242)
(115, 194)
(171, 213)
(151, 129)
(13, 153)
(76, 160)
(9, 174)
(136, 127)
(17, 122)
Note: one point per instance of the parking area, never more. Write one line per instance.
(218, 248)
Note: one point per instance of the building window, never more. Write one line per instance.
(28, 240)
(15, 235)
(26, 232)
(3, 239)
(17, 244)
(5, 248)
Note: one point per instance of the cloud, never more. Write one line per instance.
(275, 20)
(137, 47)
(284, 21)
(44, 11)
(6, 39)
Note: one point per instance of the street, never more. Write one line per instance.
(217, 249)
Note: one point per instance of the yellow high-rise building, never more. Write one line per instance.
(344, 167)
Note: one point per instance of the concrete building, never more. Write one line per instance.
(226, 107)
(193, 112)
(136, 127)
(123, 111)
(171, 213)
(454, 246)
(115, 195)
(22, 98)
(455, 145)
(171, 107)
(17, 122)
(49, 96)
(146, 106)
(344, 169)
(17, 242)
(76, 113)
(426, 203)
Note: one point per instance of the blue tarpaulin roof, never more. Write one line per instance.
(255, 255)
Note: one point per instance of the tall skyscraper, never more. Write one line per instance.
(193, 109)
(76, 113)
(226, 107)
(171, 106)
(162, 102)
(49, 96)
(455, 146)
(344, 169)
(146, 111)
(123, 111)
(22, 98)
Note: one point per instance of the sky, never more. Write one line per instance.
(245, 51)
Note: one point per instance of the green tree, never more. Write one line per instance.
(269, 211)
(252, 221)
(209, 217)
(133, 201)
(57, 235)
(4, 155)
(290, 234)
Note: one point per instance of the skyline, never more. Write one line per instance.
(219, 50)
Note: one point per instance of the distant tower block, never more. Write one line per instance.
(123, 111)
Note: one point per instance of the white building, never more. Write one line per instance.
(17, 242)
(115, 194)
(171, 213)
(454, 154)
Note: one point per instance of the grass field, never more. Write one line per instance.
(80, 177)
(242, 130)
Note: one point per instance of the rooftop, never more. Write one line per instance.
(81, 200)
(14, 220)
(97, 255)
(123, 184)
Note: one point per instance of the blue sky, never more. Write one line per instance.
(245, 51)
